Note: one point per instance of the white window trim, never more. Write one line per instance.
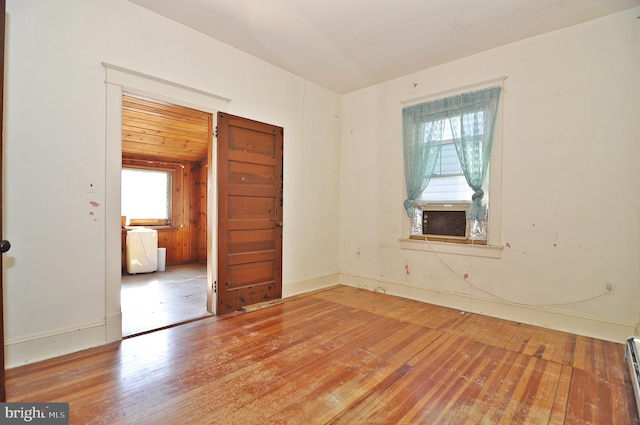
(493, 248)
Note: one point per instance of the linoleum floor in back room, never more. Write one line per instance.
(163, 298)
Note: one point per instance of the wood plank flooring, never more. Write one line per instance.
(340, 356)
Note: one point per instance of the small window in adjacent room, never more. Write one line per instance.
(146, 197)
(447, 155)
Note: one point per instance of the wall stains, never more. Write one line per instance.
(92, 213)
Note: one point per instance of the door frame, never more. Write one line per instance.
(119, 80)
(3, 13)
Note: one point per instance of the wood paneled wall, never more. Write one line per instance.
(201, 204)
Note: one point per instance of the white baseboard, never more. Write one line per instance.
(41, 347)
(321, 282)
(595, 327)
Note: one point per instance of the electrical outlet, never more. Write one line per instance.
(610, 288)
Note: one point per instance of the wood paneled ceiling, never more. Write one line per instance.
(160, 130)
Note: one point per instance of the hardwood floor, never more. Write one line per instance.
(340, 356)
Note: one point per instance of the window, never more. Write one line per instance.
(447, 181)
(146, 196)
(447, 153)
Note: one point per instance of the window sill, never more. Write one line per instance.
(167, 227)
(472, 250)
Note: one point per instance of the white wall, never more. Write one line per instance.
(570, 200)
(55, 143)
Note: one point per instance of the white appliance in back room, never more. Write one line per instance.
(142, 250)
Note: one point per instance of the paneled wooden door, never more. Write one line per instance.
(249, 163)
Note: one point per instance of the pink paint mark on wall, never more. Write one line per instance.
(406, 269)
(91, 213)
(555, 245)
(94, 203)
(508, 245)
(466, 276)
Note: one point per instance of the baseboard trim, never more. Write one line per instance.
(33, 349)
(594, 327)
(304, 286)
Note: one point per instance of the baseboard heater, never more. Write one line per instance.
(632, 356)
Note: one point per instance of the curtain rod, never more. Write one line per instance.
(457, 89)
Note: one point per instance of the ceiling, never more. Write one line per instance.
(154, 129)
(345, 45)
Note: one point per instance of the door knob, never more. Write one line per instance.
(280, 224)
(5, 246)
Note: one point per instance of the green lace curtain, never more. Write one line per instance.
(472, 118)
(422, 125)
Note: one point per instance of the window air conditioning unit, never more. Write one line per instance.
(446, 220)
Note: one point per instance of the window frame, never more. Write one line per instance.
(492, 247)
(155, 222)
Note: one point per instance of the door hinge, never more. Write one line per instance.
(215, 132)
(214, 286)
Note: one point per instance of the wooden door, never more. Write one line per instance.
(249, 212)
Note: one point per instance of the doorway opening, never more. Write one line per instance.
(164, 193)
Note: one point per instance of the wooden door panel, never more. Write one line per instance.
(250, 224)
(250, 258)
(251, 208)
(258, 273)
(257, 175)
(243, 241)
(247, 140)
(251, 283)
(252, 191)
(251, 157)
(249, 213)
